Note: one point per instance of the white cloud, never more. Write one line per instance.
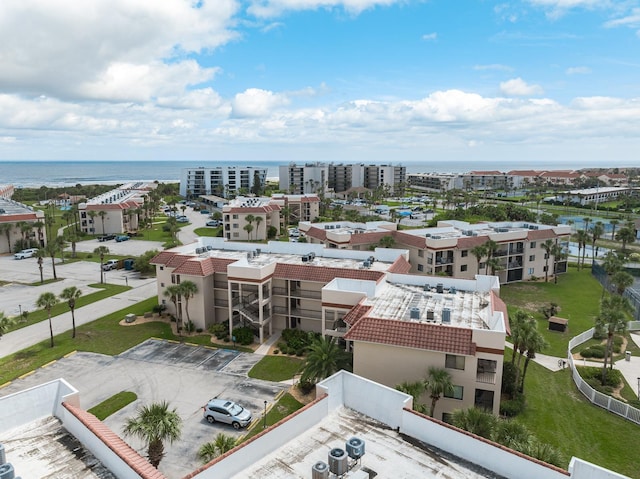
(430, 36)
(494, 66)
(271, 8)
(255, 102)
(518, 87)
(578, 71)
(631, 20)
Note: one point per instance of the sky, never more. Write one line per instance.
(321, 80)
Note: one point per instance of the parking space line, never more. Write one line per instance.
(5, 384)
(26, 375)
(48, 364)
(69, 354)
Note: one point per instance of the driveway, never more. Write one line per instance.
(183, 375)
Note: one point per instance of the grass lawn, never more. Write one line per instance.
(116, 402)
(106, 290)
(207, 231)
(285, 406)
(275, 368)
(558, 414)
(577, 294)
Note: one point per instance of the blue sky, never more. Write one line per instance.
(302, 80)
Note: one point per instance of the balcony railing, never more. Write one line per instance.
(444, 259)
(298, 312)
(220, 284)
(297, 293)
(488, 377)
(500, 252)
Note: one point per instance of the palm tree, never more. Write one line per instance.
(596, 232)
(533, 342)
(6, 229)
(258, 220)
(248, 228)
(187, 290)
(510, 433)
(72, 237)
(558, 255)
(416, 390)
(547, 246)
(479, 252)
(222, 443)
(438, 382)
(474, 420)
(173, 293)
(5, 323)
(612, 318)
(622, 280)
(518, 322)
(387, 241)
(586, 221)
(324, 357)
(102, 215)
(47, 301)
(613, 224)
(154, 424)
(626, 235)
(40, 255)
(101, 250)
(582, 237)
(52, 249)
(70, 295)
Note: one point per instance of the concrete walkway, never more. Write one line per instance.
(264, 347)
(23, 338)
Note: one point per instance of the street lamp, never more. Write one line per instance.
(264, 426)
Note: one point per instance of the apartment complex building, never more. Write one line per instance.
(116, 211)
(221, 181)
(262, 213)
(448, 249)
(594, 196)
(19, 221)
(385, 315)
(472, 181)
(324, 178)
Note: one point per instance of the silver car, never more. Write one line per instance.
(227, 412)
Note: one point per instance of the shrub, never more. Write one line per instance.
(509, 379)
(512, 407)
(198, 330)
(158, 308)
(595, 351)
(306, 386)
(276, 351)
(592, 377)
(243, 335)
(219, 330)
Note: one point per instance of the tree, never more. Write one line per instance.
(52, 249)
(248, 228)
(437, 384)
(70, 295)
(596, 233)
(559, 254)
(626, 235)
(154, 424)
(173, 293)
(47, 301)
(582, 237)
(142, 263)
(187, 290)
(324, 358)
(621, 280)
(222, 443)
(5, 323)
(416, 390)
(6, 229)
(479, 252)
(92, 219)
(40, 255)
(533, 342)
(258, 220)
(101, 250)
(547, 246)
(102, 214)
(612, 319)
(387, 242)
(613, 224)
(256, 188)
(475, 420)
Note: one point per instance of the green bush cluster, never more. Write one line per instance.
(243, 335)
(512, 407)
(295, 341)
(220, 331)
(595, 351)
(589, 374)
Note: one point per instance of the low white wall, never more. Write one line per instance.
(99, 449)
(580, 469)
(494, 458)
(258, 448)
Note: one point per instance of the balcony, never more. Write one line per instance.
(297, 293)
(500, 252)
(444, 259)
(298, 312)
(486, 377)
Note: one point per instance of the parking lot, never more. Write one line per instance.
(185, 376)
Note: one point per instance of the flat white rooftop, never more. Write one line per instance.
(387, 453)
(10, 207)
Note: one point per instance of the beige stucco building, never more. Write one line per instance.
(448, 248)
(396, 323)
(14, 214)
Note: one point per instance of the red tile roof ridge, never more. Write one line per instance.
(135, 461)
(162, 257)
(17, 217)
(400, 266)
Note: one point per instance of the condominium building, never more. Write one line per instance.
(593, 196)
(385, 315)
(471, 181)
(448, 249)
(116, 211)
(222, 181)
(19, 222)
(322, 178)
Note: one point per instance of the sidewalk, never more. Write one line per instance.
(264, 347)
(23, 338)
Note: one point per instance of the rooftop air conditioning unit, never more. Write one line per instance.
(371, 259)
(446, 316)
(426, 287)
(305, 258)
(258, 251)
(209, 247)
(3, 456)
(366, 264)
(198, 250)
(414, 313)
(320, 470)
(452, 290)
(428, 235)
(440, 288)
(7, 471)
(338, 461)
(430, 315)
(355, 447)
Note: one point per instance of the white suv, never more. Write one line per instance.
(25, 253)
(110, 264)
(228, 412)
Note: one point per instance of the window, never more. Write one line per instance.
(544, 269)
(447, 417)
(421, 253)
(420, 267)
(236, 225)
(532, 257)
(162, 285)
(530, 270)
(236, 235)
(454, 362)
(465, 253)
(456, 393)
(463, 267)
(235, 217)
(533, 245)
(161, 268)
(481, 266)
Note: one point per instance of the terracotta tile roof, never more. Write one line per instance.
(17, 217)
(162, 258)
(254, 209)
(411, 240)
(317, 233)
(540, 234)
(469, 242)
(400, 266)
(495, 172)
(524, 173)
(357, 312)
(432, 337)
(309, 199)
(177, 260)
(498, 305)
(113, 206)
(323, 274)
(204, 267)
(135, 461)
(560, 174)
(369, 238)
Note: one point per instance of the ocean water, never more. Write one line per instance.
(34, 174)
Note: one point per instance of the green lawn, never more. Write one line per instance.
(106, 290)
(276, 368)
(578, 295)
(207, 231)
(285, 406)
(558, 414)
(109, 406)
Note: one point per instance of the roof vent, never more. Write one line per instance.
(440, 288)
(355, 448)
(426, 287)
(414, 313)
(305, 258)
(430, 315)
(320, 470)
(366, 264)
(338, 461)
(452, 290)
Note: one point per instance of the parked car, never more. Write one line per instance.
(182, 219)
(110, 264)
(106, 237)
(227, 412)
(120, 238)
(25, 253)
(213, 223)
(204, 212)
